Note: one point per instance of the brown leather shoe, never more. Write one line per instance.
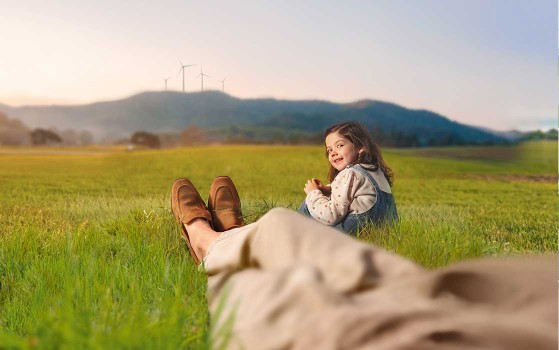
(187, 205)
(224, 204)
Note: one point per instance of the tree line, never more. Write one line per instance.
(15, 133)
(193, 135)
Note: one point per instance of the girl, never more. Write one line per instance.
(360, 182)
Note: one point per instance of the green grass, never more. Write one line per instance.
(90, 255)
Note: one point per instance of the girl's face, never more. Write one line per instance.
(341, 151)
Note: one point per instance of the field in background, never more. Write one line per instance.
(90, 255)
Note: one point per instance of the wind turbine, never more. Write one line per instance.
(166, 82)
(222, 84)
(183, 66)
(202, 75)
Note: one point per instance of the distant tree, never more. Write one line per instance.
(13, 131)
(378, 135)
(70, 137)
(315, 138)
(295, 138)
(44, 137)
(85, 138)
(449, 138)
(169, 139)
(277, 137)
(410, 140)
(551, 134)
(144, 138)
(192, 136)
(400, 139)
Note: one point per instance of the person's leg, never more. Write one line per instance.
(287, 281)
(490, 303)
(282, 238)
(350, 224)
(187, 207)
(303, 209)
(201, 236)
(224, 212)
(269, 277)
(262, 309)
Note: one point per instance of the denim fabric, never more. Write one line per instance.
(383, 210)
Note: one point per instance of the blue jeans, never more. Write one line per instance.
(350, 224)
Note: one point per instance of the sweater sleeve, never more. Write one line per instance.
(331, 210)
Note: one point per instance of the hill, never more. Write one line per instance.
(252, 119)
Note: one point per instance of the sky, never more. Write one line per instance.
(490, 63)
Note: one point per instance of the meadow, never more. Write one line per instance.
(91, 256)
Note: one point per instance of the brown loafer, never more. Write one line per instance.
(224, 204)
(187, 205)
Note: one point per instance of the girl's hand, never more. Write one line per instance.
(326, 190)
(318, 183)
(311, 185)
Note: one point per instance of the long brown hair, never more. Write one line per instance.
(361, 138)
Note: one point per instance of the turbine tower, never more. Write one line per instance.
(183, 66)
(202, 75)
(222, 84)
(166, 82)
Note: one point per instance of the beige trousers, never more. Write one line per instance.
(287, 281)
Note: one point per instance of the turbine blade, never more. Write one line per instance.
(179, 73)
(182, 65)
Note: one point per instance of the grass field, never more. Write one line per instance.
(90, 255)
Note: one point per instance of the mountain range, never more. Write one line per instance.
(171, 112)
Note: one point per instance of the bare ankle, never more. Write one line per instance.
(201, 236)
(197, 224)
